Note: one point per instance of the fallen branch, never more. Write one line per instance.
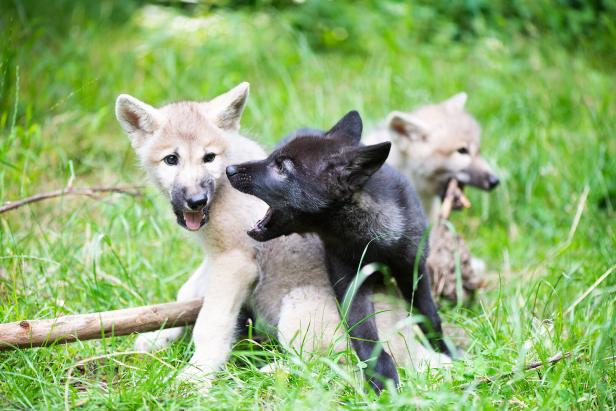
(37, 333)
(87, 191)
(551, 360)
(530, 366)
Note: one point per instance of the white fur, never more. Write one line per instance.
(227, 282)
(225, 279)
(309, 320)
(456, 102)
(398, 332)
(136, 117)
(387, 220)
(222, 109)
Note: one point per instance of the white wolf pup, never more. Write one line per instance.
(185, 148)
(434, 144)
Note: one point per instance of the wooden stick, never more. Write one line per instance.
(87, 191)
(551, 360)
(530, 366)
(453, 196)
(37, 333)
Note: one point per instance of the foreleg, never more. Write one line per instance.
(359, 318)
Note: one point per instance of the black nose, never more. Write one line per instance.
(197, 202)
(232, 170)
(493, 181)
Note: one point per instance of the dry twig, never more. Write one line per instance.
(454, 199)
(86, 191)
(530, 366)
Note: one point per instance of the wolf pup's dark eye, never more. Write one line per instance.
(463, 150)
(283, 165)
(209, 157)
(171, 160)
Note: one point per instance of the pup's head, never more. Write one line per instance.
(308, 176)
(442, 141)
(184, 148)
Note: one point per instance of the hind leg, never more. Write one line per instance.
(229, 279)
(400, 335)
(420, 296)
(361, 325)
(157, 340)
(309, 321)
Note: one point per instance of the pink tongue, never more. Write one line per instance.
(193, 219)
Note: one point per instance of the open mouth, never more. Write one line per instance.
(261, 225)
(444, 188)
(194, 220)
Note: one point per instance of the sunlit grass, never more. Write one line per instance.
(547, 115)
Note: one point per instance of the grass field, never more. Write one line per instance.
(547, 234)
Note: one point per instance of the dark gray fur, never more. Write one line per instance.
(327, 183)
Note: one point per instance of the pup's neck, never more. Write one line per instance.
(413, 166)
(360, 220)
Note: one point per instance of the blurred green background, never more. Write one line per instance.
(540, 78)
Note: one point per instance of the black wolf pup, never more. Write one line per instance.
(329, 184)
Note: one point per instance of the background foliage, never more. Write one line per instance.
(540, 79)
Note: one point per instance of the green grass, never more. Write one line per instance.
(547, 113)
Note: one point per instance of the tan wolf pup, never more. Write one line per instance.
(434, 144)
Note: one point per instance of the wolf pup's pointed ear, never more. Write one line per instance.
(406, 125)
(226, 110)
(137, 118)
(348, 128)
(456, 102)
(362, 162)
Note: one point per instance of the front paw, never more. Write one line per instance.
(385, 369)
(196, 376)
(150, 342)
(156, 340)
(428, 359)
(450, 350)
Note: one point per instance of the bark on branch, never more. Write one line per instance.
(37, 333)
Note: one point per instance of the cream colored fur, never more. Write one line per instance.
(425, 145)
(228, 273)
(294, 292)
(399, 333)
